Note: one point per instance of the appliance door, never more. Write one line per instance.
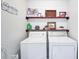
(62, 52)
(33, 51)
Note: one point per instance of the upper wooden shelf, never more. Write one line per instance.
(46, 17)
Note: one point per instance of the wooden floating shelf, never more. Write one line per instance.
(50, 30)
(45, 17)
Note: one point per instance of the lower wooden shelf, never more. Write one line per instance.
(49, 30)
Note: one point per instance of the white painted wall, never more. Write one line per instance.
(43, 22)
(42, 5)
(13, 27)
(73, 21)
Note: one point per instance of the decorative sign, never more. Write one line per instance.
(6, 7)
(51, 25)
(31, 12)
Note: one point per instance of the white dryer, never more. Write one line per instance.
(61, 46)
(34, 47)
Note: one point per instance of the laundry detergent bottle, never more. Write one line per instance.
(29, 26)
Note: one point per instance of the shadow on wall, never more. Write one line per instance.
(6, 55)
(10, 9)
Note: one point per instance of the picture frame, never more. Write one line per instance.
(51, 25)
(62, 14)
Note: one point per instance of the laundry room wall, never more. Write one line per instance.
(73, 21)
(42, 5)
(13, 27)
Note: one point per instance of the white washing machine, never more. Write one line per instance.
(34, 47)
(61, 46)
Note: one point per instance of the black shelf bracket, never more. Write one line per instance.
(27, 18)
(67, 18)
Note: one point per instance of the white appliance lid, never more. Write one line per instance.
(61, 39)
(57, 33)
(37, 34)
(35, 40)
